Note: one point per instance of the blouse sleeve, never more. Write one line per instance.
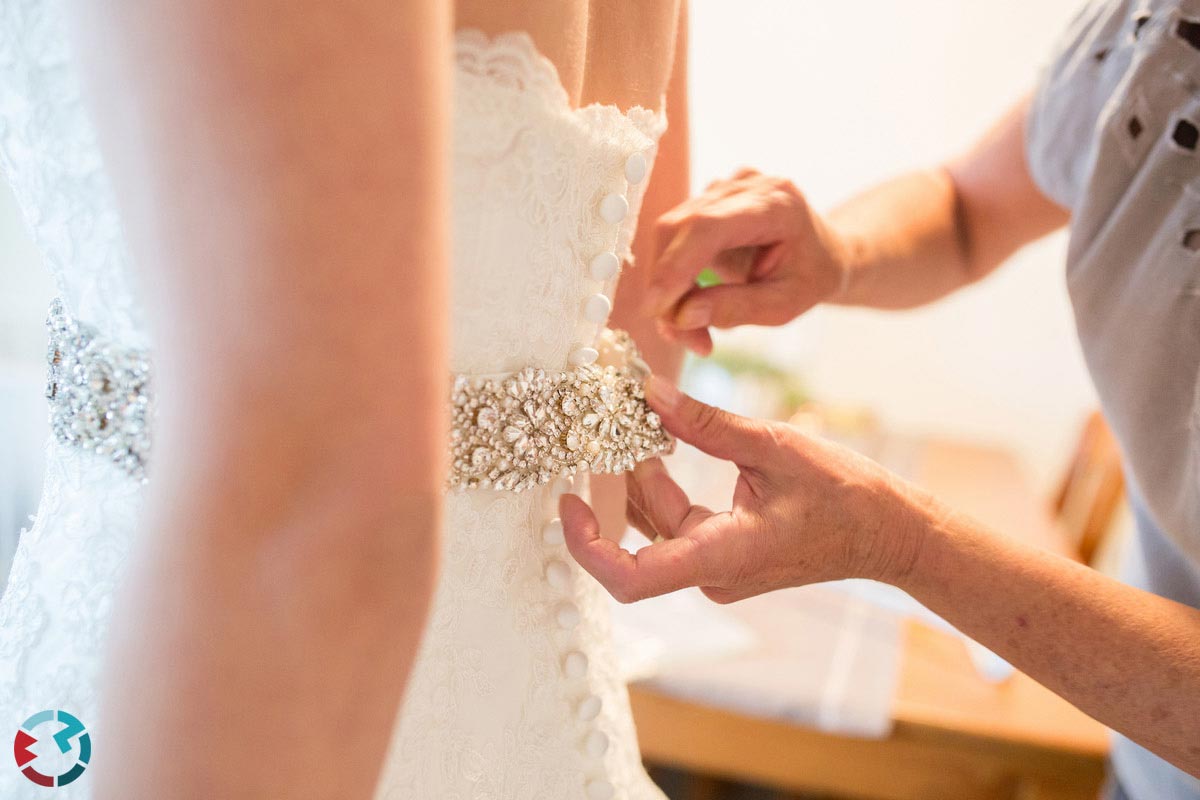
(1084, 70)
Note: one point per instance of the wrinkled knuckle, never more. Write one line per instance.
(780, 440)
(705, 418)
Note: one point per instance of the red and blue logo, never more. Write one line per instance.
(61, 762)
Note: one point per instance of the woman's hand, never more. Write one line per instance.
(776, 259)
(807, 511)
(803, 511)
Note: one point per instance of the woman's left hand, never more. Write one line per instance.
(775, 256)
(804, 511)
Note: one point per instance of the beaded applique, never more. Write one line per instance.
(99, 393)
(509, 433)
(525, 429)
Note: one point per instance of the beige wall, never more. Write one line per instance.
(837, 95)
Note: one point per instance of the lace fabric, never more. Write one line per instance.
(515, 693)
(530, 173)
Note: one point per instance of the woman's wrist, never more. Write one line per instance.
(910, 542)
(927, 534)
(850, 254)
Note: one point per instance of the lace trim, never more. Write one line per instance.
(513, 60)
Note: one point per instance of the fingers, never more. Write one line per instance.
(656, 499)
(712, 430)
(698, 341)
(655, 569)
(729, 306)
(693, 236)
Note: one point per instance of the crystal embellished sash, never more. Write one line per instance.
(509, 432)
(525, 429)
(99, 393)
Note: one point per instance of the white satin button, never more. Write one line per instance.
(575, 664)
(597, 308)
(604, 266)
(583, 355)
(599, 790)
(558, 575)
(613, 208)
(552, 532)
(635, 168)
(589, 708)
(567, 616)
(596, 744)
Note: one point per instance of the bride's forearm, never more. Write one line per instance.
(669, 187)
(1128, 658)
(281, 170)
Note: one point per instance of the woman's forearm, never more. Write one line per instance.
(1128, 658)
(901, 242)
(919, 237)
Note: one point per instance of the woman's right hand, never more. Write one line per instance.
(803, 511)
(776, 259)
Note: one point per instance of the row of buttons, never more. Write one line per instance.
(605, 265)
(602, 268)
(574, 663)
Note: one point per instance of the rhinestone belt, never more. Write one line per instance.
(508, 433)
(523, 430)
(99, 393)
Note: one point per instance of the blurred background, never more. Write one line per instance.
(837, 96)
(982, 395)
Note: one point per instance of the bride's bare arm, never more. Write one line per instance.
(670, 186)
(281, 170)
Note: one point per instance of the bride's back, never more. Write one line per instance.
(551, 159)
(606, 51)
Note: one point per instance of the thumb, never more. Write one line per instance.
(712, 430)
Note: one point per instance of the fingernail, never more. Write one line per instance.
(694, 315)
(661, 393)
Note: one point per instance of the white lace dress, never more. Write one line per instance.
(514, 694)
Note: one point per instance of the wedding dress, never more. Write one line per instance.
(514, 693)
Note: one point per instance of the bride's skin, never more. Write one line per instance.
(282, 169)
(806, 510)
(282, 172)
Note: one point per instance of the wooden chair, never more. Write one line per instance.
(1092, 489)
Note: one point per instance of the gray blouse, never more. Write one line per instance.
(1114, 135)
